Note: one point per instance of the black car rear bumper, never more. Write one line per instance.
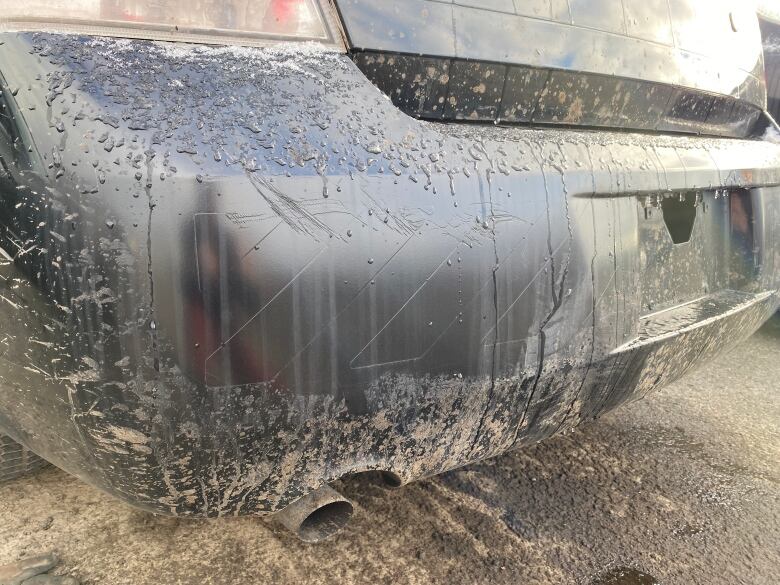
(236, 274)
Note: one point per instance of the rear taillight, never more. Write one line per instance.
(243, 22)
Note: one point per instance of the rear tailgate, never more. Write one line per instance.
(693, 66)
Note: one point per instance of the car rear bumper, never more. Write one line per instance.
(238, 274)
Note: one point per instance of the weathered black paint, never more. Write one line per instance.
(240, 273)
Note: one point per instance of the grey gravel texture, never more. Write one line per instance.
(680, 488)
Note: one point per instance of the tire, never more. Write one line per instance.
(16, 460)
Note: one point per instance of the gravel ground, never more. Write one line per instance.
(680, 488)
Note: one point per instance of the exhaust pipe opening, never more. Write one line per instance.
(390, 480)
(325, 521)
(317, 515)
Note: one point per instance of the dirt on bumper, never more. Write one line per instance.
(235, 274)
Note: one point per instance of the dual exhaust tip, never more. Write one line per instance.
(317, 515)
(324, 512)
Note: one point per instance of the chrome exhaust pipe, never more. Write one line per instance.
(317, 515)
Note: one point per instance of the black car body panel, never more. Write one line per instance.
(713, 46)
(680, 66)
(770, 33)
(234, 274)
